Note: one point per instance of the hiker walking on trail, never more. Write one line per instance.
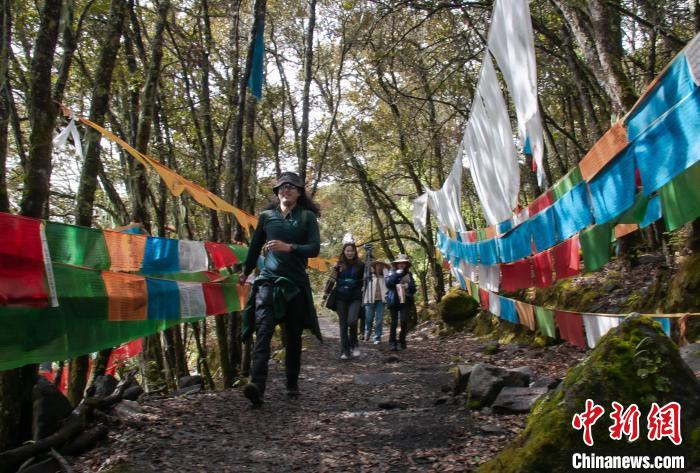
(399, 298)
(287, 234)
(348, 275)
(373, 299)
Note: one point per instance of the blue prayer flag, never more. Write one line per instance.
(572, 212)
(470, 253)
(508, 311)
(504, 226)
(612, 189)
(544, 230)
(161, 256)
(665, 324)
(653, 212)
(255, 80)
(675, 84)
(163, 299)
(516, 244)
(488, 254)
(669, 146)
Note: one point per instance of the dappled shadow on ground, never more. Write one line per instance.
(384, 412)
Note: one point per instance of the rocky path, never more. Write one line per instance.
(384, 411)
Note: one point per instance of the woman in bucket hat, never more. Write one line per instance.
(287, 234)
(399, 298)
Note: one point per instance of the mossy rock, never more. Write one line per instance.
(684, 291)
(633, 363)
(457, 308)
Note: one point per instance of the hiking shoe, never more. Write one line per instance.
(403, 345)
(252, 392)
(293, 391)
(355, 352)
(394, 347)
(376, 342)
(344, 356)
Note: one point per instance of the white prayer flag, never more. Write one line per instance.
(512, 43)
(596, 326)
(192, 303)
(488, 148)
(193, 256)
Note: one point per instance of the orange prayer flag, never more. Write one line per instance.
(526, 314)
(125, 250)
(623, 229)
(605, 149)
(127, 296)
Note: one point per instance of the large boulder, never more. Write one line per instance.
(104, 384)
(50, 408)
(691, 355)
(457, 308)
(517, 400)
(635, 363)
(188, 381)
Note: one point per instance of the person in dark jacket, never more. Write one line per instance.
(401, 288)
(287, 233)
(348, 275)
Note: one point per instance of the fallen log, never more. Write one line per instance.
(72, 426)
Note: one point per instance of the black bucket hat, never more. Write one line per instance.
(288, 178)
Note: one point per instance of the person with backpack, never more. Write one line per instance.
(373, 299)
(288, 235)
(348, 275)
(401, 288)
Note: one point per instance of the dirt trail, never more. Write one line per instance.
(384, 411)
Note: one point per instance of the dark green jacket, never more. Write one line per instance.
(287, 271)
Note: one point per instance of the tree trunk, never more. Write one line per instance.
(16, 385)
(202, 363)
(42, 115)
(5, 108)
(234, 343)
(68, 45)
(221, 332)
(181, 369)
(149, 94)
(168, 342)
(235, 190)
(305, 103)
(77, 378)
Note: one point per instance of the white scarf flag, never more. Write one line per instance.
(420, 213)
(446, 202)
(512, 43)
(488, 148)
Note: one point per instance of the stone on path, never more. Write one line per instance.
(516, 400)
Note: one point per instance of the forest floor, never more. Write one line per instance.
(384, 411)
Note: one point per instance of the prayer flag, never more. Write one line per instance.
(504, 226)
(653, 212)
(192, 256)
(541, 203)
(567, 261)
(488, 254)
(78, 246)
(664, 93)
(544, 230)
(163, 299)
(545, 322)
(125, 250)
(526, 314)
(508, 311)
(605, 149)
(127, 296)
(495, 304)
(222, 256)
(595, 246)
(214, 298)
(571, 327)
(542, 263)
(191, 300)
(572, 211)
(692, 54)
(670, 145)
(490, 277)
(22, 266)
(161, 256)
(255, 80)
(680, 198)
(598, 325)
(612, 190)
(566, 183)
(516, 275)
(484, 299)
(516, 244)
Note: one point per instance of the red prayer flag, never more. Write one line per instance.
(123, 352)
(484, 298)
(471, 236)
(540, 203)
(516, 275)
(214, 298)
(542, 262)
(22, 267)
(221, 255)
(571, 327)
(567, 261)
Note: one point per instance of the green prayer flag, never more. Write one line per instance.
(480, 234)
(566, 183)
(475, 290)
(79, 246)
(595, 246)
(545, 321)
(231, 297)
(241, 252)
(680, 198)
(636, 213)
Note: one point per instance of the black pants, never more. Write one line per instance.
(264, 328)
(348, 313)
(398, 314)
